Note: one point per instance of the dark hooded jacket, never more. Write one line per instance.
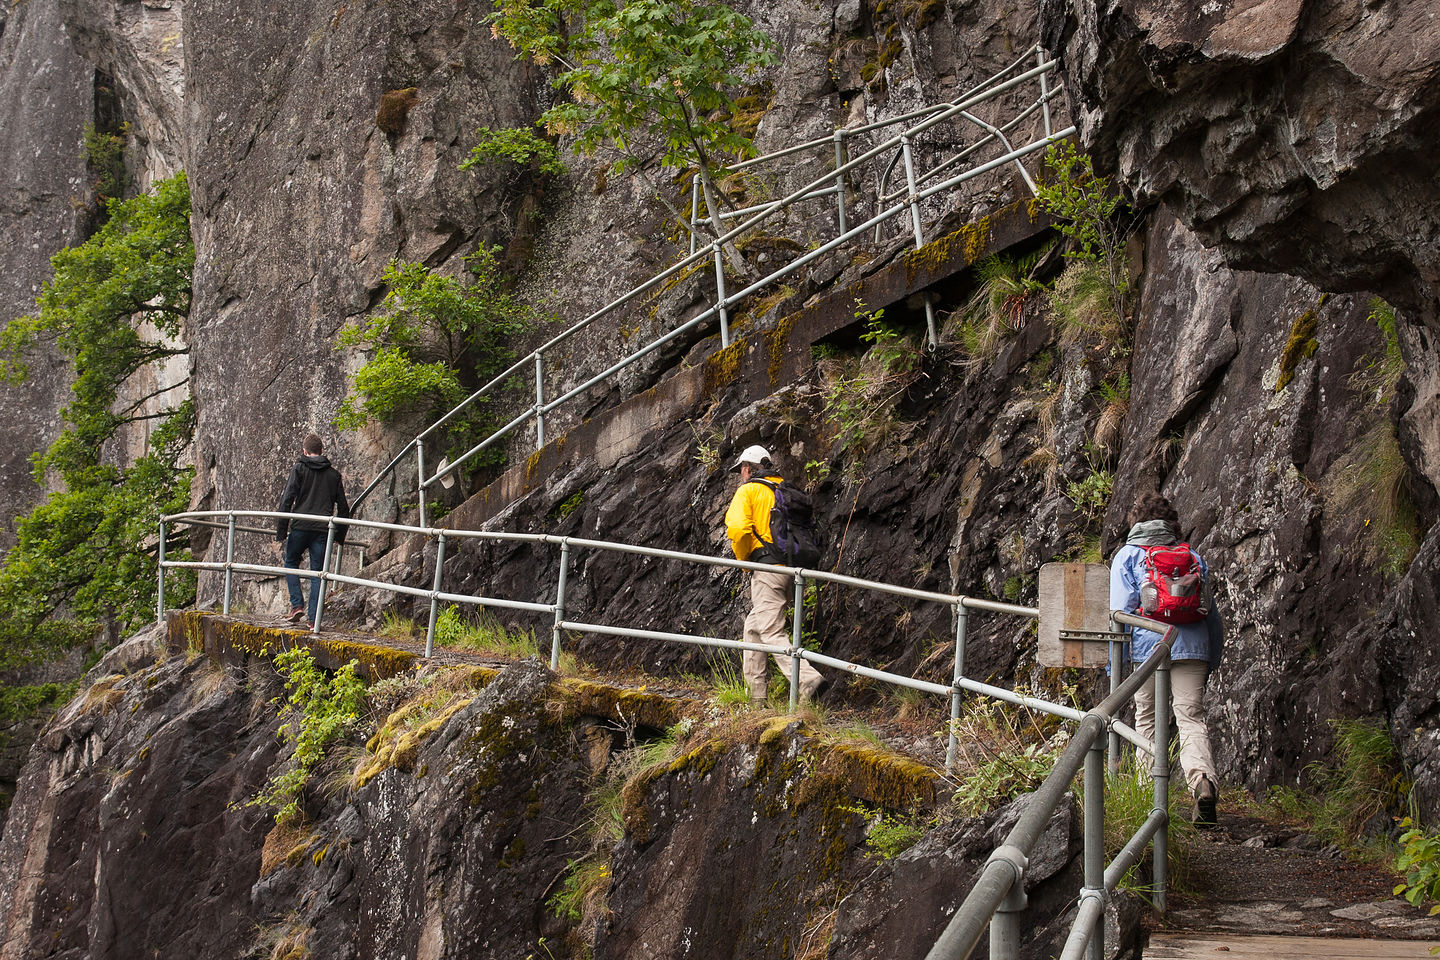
(313, 487)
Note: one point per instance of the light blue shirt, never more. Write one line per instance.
(1193, 641)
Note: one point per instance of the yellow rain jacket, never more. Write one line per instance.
(749, 514)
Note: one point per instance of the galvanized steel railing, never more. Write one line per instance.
(884, 206)
(564, 618)
(998, 897)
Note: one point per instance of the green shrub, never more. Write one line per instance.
(433, 342)
(887, 835)
(319, 710)
(520, 146)
(1419, 863)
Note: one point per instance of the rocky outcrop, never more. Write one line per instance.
(132, 832)
(1290, 134)
(1292, 137)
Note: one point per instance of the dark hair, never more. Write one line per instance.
(1154, 506)
(313, 446)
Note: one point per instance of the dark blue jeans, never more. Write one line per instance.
(301, 541)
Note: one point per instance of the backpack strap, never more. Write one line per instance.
(775, 489)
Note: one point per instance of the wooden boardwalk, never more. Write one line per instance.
(1219, 946)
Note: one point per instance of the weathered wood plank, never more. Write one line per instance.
(1186, 946)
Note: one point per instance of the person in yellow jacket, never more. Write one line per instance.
(747, 523)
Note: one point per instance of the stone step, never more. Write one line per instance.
(1213, 946)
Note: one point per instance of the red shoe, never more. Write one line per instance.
(296, 614)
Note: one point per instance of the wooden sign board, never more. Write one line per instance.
(1074, 615)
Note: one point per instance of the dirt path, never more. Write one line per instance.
(1249, 876)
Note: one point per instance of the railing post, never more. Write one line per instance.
(420, 474)
(840, 178)
(160, 572)
(434, 596)
(539, 402)
(1005, 925)
(694, 211)
(720, 301)
(559, 604)
(962, 617)
(910, 186)
(1117, 672)
(324, 575)
(1161, 749)
(229, 559)
(798, 623)
(1095, 840)
(1044, 90)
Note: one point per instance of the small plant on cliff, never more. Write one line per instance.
(887, 835)
(1092, 215)
(861, 391)
(105, 158)
(1367, 488)
(433, 342)
(1006, 753)
(516, 147)
(319, 710)
(994, 311)
(115, 311)
(644, 75)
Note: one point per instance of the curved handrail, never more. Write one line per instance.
(830, 183)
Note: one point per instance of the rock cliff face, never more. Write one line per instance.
(1291, 138)
(132, 835)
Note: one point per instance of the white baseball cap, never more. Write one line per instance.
(754, 453)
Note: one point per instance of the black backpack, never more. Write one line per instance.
(792, 524)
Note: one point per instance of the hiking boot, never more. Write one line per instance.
(1206, 797)
(296, 614)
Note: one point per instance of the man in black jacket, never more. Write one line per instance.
(313, 487)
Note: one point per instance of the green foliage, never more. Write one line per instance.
(659, 69)
(105, 157)
(484, 634)
(1362, 781)
(585, 882)
(728, 687)
(320, 709)
(994, 311)
(114, 308)
(1088, 212)
(1005, 753)
(1091, 494)
(435, 340)
(887, 835)
(520, 146)
(1419, 863)
(1129, 798)
(1082, 305)
(859, 392)
(19, 703)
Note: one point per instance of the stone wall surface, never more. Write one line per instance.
(47, 98)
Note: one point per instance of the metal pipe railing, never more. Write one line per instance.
(562, 621)
(998, 897)
(915, 124)
(992, 900)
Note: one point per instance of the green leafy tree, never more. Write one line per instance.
(114, 307)
(435, 340)
(644, 72)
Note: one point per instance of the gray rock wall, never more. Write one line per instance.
(47, 98)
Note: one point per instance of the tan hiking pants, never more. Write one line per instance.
(769, 593)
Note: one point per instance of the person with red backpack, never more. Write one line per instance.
(1155, 575)
(769, 522)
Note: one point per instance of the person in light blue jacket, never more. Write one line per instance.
(1194, 651)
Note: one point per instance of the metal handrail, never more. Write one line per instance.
(960, 605)
(998, 896)
(831, 183)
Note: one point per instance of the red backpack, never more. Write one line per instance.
(1174, 587)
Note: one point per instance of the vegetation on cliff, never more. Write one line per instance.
(433, 342)
(115, 309)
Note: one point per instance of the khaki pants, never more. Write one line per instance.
(1187, 690)
(766, 624)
